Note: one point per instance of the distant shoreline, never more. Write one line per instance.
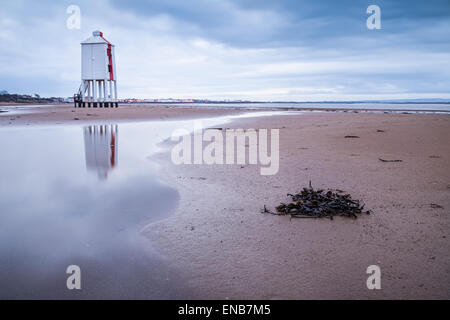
(268, 106)
(295, 102)
(203, 102)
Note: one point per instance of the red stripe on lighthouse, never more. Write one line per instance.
(110, 64)
(109, 52)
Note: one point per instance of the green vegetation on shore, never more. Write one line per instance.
(24, 98)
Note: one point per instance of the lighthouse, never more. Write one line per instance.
(98, 73)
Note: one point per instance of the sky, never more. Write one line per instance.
(261, 50)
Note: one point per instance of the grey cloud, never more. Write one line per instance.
(233, 45)
(294, 22)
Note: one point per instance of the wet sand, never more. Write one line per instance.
(66, 113)
(219, 240)
(57, 114)
(223, 247)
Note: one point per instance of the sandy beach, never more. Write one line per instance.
(227, 249)
(221, 244)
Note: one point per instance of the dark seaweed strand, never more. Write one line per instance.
(310, 203)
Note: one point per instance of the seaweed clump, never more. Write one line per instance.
(310, 203)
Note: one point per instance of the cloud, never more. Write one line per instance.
(230, 49)
(290, 22)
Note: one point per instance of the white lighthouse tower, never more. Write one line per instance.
(98, 73)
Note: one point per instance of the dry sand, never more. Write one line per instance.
(226, 248)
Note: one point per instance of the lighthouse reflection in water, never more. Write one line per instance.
(100, 145)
